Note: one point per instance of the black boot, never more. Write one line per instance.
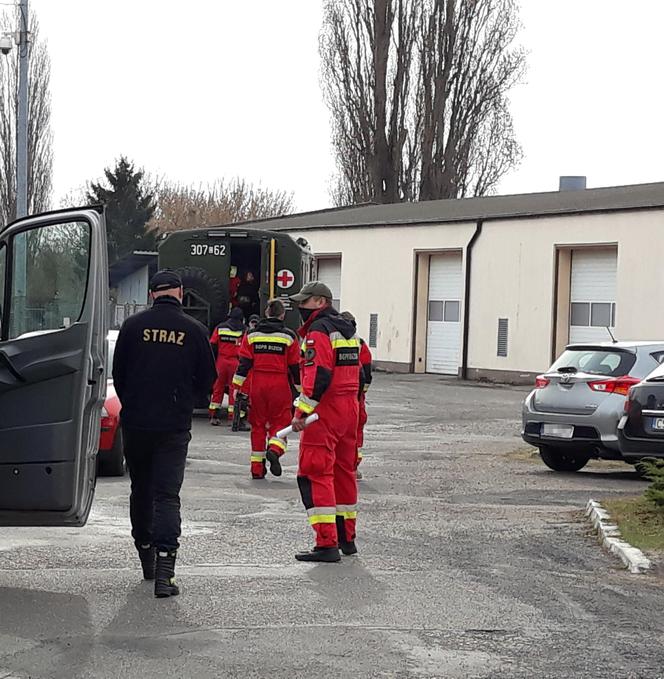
(259, 477)
(147, 555)
(164, 584)
(323, 554)
(275, 464)
(347, 546)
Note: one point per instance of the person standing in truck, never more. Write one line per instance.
(226, 339)
(233, 285)
(247, 295)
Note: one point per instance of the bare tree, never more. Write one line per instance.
(40, 152)
(417, 92)
(186, 207)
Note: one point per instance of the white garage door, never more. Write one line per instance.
(444, 315)
(592, 295)
(329, 272)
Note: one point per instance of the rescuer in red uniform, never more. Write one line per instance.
(330, 372)
(226, 338)
(270, 355)
(365, 383)
(233, 285)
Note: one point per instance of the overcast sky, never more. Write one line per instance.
(202, 89)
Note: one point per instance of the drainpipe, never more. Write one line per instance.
(466, 305)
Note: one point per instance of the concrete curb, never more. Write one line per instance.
(634, 559)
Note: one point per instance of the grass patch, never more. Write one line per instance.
(611, 464)
(640, 522)
(524, 453)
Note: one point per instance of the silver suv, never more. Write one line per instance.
(573, 412)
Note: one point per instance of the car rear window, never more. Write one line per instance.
(657, 373)
(607, 362)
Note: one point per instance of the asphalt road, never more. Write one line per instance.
(474, 563)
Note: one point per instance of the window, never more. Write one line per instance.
(609, 362)
(49, 277)
(436, 311)
(600, 315)
(447, 311)
(593, 314)
(452, 312)
(580, 313)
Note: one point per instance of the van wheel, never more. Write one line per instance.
(207, 292)
(113, 464)
(563, 460)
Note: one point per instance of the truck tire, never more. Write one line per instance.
(209, 288)
(563, 460)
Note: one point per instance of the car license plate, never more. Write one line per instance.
(559, 431)
(658, 423)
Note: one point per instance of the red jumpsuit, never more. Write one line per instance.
(233, 285)
(269, 357)
(328, 448)
(226, 338)
(365, 382)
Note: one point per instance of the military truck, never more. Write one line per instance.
(206, 258)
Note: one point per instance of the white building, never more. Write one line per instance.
(493, 287)
(129, 278)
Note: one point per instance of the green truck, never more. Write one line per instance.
(213, 261)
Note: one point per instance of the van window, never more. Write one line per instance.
(49, 277)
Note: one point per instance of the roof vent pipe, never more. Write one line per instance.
(572, 183)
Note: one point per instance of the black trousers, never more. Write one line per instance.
(156, 462)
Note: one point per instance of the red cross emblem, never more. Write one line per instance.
(285, 278)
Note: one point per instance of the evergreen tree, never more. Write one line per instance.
(653, 470)
(130, 205)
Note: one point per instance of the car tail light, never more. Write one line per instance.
(541, 382)
(615, 385)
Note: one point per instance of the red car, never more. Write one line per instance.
(110, 458)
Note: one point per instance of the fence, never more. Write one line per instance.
(120, 312)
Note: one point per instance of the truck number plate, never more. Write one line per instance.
(202, 249)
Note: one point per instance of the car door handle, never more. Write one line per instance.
(12, 369)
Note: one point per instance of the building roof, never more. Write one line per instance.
(609, 199)
(129, 263)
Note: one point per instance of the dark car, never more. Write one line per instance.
(641, 428)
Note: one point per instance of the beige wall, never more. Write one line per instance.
(378, 276)
(513, 276)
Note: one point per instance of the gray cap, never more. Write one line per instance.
(313, 289)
